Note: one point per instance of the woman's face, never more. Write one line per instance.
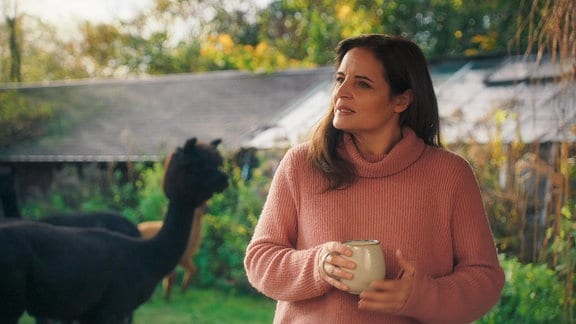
(363, 104)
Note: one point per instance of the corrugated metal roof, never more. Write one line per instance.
(537, 108)
(469, 95)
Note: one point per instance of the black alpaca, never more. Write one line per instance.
(8, 197)
(106, 220)
(90, 275)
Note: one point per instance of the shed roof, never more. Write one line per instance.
(522, 93)
(143, 119)
(470, 93)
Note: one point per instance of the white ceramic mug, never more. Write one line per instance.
(370, 266)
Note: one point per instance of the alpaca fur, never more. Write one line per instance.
(8, 197)
(105, 220)
(149, 229)
(92, 275)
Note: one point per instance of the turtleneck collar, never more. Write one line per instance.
(402, 155)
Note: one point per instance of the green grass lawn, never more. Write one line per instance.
(201, 306)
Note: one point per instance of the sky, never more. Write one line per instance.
(66, 14)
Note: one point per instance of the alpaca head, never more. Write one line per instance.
(192, 175)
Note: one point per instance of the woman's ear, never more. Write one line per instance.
(403, 100)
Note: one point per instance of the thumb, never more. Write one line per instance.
(407, 266)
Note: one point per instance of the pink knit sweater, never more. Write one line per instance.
(422, 200)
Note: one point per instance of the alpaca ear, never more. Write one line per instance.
(190, 144)
(216, 142)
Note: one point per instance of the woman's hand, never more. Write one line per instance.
(332, 266)
(389, 296)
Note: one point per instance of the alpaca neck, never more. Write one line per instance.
(171, 241)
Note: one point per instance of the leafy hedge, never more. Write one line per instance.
(19, 118)
(533, 293)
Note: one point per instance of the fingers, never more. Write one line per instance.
(332, 264)
(389, 296)
(329, 271)
(336, 248)
(382, 306)
(331, 277)
(407, 266)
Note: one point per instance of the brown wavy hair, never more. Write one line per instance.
(405, 67)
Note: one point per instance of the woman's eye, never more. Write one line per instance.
(339, 79)
(363, 84)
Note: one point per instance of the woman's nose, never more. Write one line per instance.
(342, 90)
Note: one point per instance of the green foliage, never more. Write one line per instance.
(221, 255)
(222, 53)
(531, 211)
(532, 294)
(152, 202)
(43, 54)
(92, 189)
(228, 227)
(19, 118)
(136, 194)
(497, 201)
(282, 34)
(564, 240)
(301, 30)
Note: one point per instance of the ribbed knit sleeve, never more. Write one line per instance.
(477, 280)
(273, 264)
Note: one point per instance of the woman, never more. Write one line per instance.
(375, 169)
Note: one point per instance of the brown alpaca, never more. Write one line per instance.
(149, 229)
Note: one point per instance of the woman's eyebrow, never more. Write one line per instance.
(363, 77)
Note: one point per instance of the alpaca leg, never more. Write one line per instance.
(12, 280)
(128, 319)
(9, 319)
(168, 283)
(189, 273)
(10, 314)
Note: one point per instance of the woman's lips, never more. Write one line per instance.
(344, 110)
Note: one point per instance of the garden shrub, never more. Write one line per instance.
(228, 227)
(221, 255)
(20, 118)
(152, 203)
(532, 294)
(72, 190)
